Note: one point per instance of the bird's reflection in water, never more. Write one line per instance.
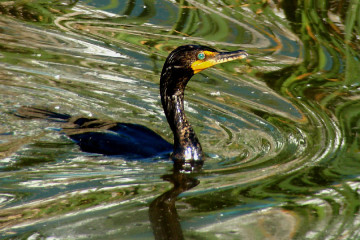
(162, 211)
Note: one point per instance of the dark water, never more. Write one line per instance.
(281, 131)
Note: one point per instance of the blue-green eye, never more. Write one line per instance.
(201, 56)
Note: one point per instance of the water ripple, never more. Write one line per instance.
(281, 131)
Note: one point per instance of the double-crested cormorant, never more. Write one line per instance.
(136, 141)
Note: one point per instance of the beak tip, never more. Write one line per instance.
(244, 54)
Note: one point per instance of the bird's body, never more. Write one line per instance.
(128, 140)
(136, 141)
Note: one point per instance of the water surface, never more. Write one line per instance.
(280, 130)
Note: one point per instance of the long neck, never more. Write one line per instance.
(186, 144)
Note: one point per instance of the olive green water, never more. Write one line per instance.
(281, 130)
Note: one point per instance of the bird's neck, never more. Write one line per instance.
(186, 144)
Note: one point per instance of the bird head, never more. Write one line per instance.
(192, 59)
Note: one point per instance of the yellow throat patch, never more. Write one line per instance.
(205, 63)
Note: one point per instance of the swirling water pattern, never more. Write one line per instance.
(281, 131)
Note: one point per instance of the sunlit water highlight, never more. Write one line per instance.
(280, 131)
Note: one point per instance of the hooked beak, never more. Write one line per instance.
(213, 58)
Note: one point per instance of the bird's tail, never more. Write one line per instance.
(39, 113)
